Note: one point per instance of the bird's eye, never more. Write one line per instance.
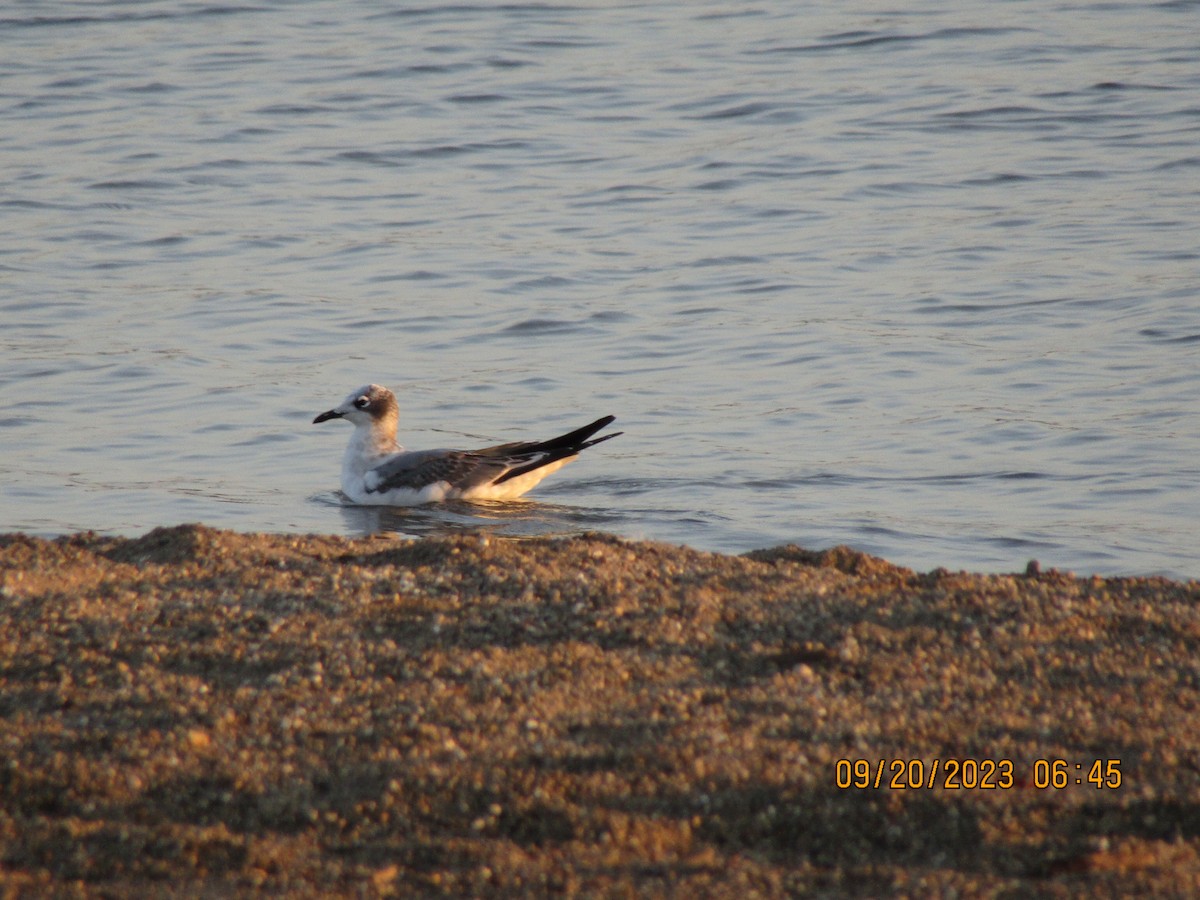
(363, 402)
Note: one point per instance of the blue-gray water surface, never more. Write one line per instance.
(920, 279)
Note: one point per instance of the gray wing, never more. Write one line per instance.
(464, 469)
(417, 470)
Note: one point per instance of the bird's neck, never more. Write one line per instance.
(369, 443)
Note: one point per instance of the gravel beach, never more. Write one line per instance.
(205, 713)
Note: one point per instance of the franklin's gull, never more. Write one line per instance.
(378, 471)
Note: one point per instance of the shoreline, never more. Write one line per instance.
(203, 711)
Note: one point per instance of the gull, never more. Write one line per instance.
(378, 471)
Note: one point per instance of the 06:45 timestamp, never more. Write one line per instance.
(1058, 773)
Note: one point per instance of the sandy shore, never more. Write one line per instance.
(199, 712)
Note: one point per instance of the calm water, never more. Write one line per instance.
(923, 281)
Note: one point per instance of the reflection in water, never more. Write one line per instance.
(506, 519)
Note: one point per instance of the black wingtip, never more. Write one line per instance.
(561, 447)
(600, 440)
(576, 438)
